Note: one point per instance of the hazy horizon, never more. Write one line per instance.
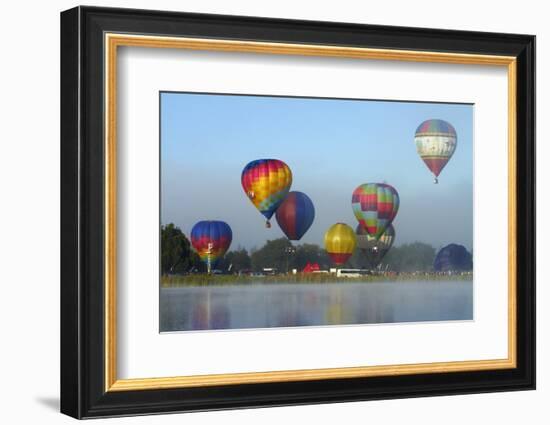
(331, 145)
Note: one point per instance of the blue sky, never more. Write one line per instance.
(331, 146)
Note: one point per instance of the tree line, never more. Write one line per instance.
(178, 256)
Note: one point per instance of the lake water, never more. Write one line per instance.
(284, 305)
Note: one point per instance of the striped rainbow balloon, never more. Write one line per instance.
(266, 182)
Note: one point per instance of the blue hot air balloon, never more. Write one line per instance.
(453, 257)
(211, 239)
(295, 215)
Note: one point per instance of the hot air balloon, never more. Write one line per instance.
(340, 243)
(266, 182)
(453, 257)
(374, 249)
(211, 239)
(435, 143)
(295, 215)
(375, 205)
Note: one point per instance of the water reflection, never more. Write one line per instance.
(286, 305)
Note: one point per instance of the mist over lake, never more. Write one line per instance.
(288, 305)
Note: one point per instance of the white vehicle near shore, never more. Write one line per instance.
(352, 272)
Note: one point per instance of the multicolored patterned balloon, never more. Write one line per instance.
(340, 243)
(266, 182)
(295, 215)
(211, 239)
(435, 143)
(375, 205)
(374, 249)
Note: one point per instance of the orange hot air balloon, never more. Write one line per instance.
(340, 242)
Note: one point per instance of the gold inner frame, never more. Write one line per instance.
(113, 41)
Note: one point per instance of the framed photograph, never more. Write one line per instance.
(261, 212)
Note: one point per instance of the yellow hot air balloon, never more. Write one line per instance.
(340, 242)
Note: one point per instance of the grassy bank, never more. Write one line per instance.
(217, 280)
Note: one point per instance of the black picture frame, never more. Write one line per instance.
(83, 392)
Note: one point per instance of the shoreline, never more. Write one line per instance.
(176, 281)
